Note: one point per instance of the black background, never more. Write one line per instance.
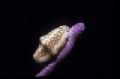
(23, 24)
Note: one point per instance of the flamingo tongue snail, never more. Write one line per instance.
(57, 43)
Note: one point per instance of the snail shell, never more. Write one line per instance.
(51, 44)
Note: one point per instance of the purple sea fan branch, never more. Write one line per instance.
(73, 33)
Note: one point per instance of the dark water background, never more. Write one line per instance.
(23, 24)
